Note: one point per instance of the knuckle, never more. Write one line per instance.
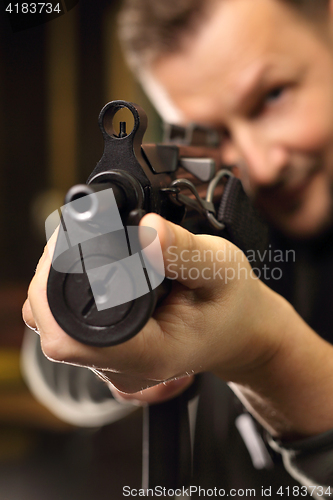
(55, 348)
(51, 352)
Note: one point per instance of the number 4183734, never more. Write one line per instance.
(33, 8)
(302, 491)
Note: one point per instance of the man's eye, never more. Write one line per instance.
(274, 94)
(268, 98)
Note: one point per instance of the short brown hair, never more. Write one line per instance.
(150, 28)
(154, 27)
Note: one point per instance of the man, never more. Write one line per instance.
(261, 71)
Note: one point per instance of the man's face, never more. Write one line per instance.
(263, 74)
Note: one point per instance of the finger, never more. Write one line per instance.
(55, 342)
(157, 394)
(58, 346)
(43, 267)
(52, 243)
(193, 260)
(27, 315)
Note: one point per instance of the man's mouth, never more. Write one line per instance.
(286, 196)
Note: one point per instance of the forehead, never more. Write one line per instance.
(243, 42)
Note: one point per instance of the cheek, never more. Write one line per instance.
(310, 128)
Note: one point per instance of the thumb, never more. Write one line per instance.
(194, 260)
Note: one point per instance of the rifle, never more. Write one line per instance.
(184, 181)
(135, 179)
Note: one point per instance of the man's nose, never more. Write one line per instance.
(263, 163)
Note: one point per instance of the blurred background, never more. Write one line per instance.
(54, 80)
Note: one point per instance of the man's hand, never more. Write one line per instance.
(208, 322)
(227, 322)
